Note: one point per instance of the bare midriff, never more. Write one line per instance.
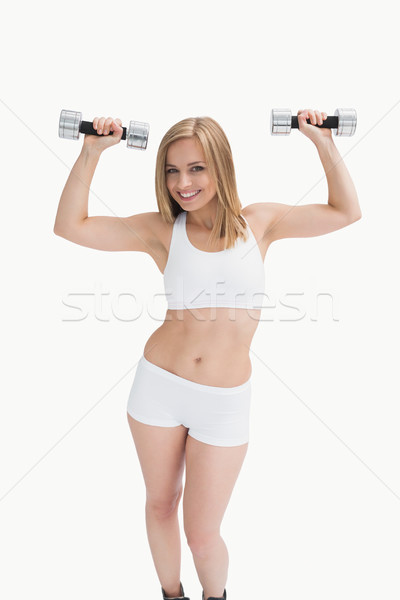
(205, 345)
(210, 346)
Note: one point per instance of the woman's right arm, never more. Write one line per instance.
(102, 233)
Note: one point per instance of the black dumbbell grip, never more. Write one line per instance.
(329, 123)
(87, 127)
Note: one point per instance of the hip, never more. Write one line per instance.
(214, 415)
(200, 359)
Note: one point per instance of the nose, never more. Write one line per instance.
(184, 181)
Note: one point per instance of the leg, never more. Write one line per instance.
(161, 453)
(211, 473)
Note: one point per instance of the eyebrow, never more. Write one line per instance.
(189, 164)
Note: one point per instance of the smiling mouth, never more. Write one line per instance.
(189, 197)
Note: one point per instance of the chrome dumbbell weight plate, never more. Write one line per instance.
(71, 125)
(281, 121)
(68, 125)
(343, 123)
(347, 121)
(137, 135)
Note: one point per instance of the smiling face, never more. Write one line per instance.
(183, 177)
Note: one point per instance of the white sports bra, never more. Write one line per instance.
(195, 278)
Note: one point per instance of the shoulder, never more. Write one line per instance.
(266, 215)
(259, 215)
(261, 210)
(162, 231)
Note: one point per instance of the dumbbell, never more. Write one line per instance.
(344, 121)
(71, 125)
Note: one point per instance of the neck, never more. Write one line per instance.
(203, 217)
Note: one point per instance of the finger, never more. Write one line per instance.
(308, 113)
(318, 117)
(116, 126)
(302, 115)
(311, 114)
(100, 126)
(95, 121)
(107, 125)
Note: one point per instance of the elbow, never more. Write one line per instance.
(355, 217)
(57, 230)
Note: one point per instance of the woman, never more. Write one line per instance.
(190, 399)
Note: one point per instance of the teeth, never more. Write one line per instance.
(189, 195)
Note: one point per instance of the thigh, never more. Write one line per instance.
(211, 474)
(219, 416)
(161, 453)
(153, 399)
(159, 435)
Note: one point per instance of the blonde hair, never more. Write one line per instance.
(218, 156)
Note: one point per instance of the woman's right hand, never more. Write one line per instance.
(103, 141)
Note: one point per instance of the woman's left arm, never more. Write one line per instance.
(283, 220)
(342, 194)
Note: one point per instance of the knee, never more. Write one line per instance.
(201, 544)
(163, 506)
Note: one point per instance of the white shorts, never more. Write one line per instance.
(214, 415)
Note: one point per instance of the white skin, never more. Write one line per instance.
(183, 178)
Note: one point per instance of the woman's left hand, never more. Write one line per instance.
(316, 134)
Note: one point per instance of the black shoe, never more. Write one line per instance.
(213, 598)
(181, 597)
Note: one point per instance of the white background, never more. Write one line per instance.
(315, 511)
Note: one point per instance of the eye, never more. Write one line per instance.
(195, 167)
